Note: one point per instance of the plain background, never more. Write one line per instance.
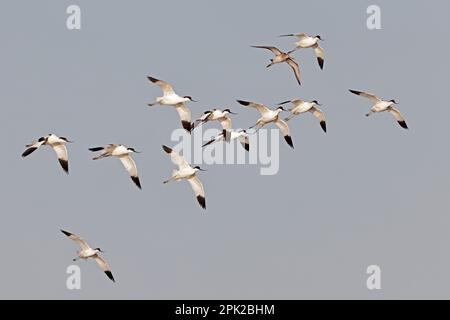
(367, 192)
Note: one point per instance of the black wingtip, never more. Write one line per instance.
(136, 181)
(244, 103)
(247, 146)
(201, 200)
(289, 141)
(109, 274)
(66, 232)
(152, 79)
(95, 149)
(28, 151)
(320, 61)
(323, 124)
(65, 165)
(354, 91)
(403, 124)
(167, 149)
(187, 126)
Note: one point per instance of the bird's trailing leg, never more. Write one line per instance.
(289, 118)
(103, 155)
(369, 113)
(168, 180)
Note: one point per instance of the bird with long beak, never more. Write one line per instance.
(215, 115)
(268, 116)
(170, 98)
(301, 106)
(280, 57)
(380, 105)
(87, 252)
(124, 154)
(187, 172)
(58, 144)
(306, 41)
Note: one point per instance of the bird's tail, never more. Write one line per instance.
(172, 177)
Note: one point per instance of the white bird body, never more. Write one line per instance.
(87, 252)
(306, 41)
(380, 105)
(186, 172)
(171, 100)
(58, 145)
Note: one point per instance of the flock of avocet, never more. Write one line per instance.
(185, 170)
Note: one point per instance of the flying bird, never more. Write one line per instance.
(87, 252)
(382, 105)
(58, 144)
(280, 57)
(301, 106)
(268, 116)
(186, 171)
(124, 154)
(215, 115)
(170, 98)
(306, 41)
(228, 135)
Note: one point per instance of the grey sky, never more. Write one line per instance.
(367, 192)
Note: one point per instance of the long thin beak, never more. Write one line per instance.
(135, 151)
(202, 169)
(233, 112)
(194, 100)
(319, 104)
(285, 35)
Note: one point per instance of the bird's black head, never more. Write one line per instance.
(281, 108)
(318, 37)
(393, 101)
(189, 98)
(316, 102)
(99, 250)
(198, 168)
(132, 150)
(229, 111)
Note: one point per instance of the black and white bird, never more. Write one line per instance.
(215, 115)
(58, 144)
(124, 154)
(187, 172)
(170, 98)
(87, 252)
(280, 57)
(229, 135)
(306, 41)
(268, 116)
(380, 105)
(301, 106)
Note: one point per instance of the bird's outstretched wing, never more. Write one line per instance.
(166, 87)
